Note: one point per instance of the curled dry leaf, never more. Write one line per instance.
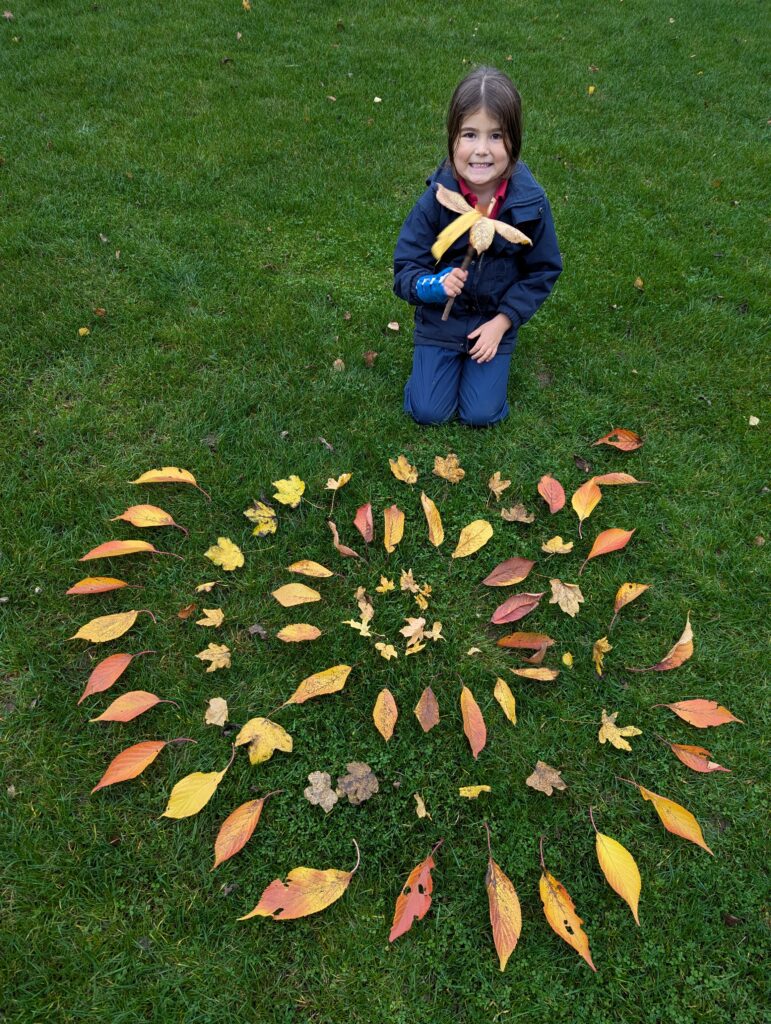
(96, 585)
(118, 548)
(331, 680)
(313, 569)
(185, 613)
(385, 714)
(364, 523)
(216, 711)
(420, 807)
(560, 911)
(515, 608)
(394, 527)
(545, 779)
(264, 738)
(517, 514)
(681, 652)
(236, 830)
(509, 573)
(218, 655)
(320, 792)
(696, 758)
(306, 891)
(359, 784)
(289, 491)
(130, 763)
(205, 588)
(129, 706)
(472, 538)
(611, 733)
(505, 698)
(625, 440)
(567, 595)
(414, 900)
(427, 710)
(225, 554)
(676, 819)
(341, 549)
(472, 792)
(299, 632)
(403, 471)
(434, 520)
(449, 468)
(264, 518)
(599, 650)
(473, 722)
(498, 486)
(106, 627)
(567, 659)
(107, 672)
(606, 542)
(292, 594)
(211, 617)
(552, 492)
(543, 675)
(393, 325)
(702, 713)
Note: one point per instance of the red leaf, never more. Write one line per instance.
(508, 573)
(517, 607)
(363, 522)
(414, 900)
(552, 492)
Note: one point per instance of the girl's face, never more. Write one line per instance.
(479, 155)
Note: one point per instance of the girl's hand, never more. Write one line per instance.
(488, 338)
(453, 283)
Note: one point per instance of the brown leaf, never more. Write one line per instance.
(449, 468)
(517, 514)
(545, 779)
(526, 641)
(359, 784)
(427, 710)
(187, 611)
(369, 358)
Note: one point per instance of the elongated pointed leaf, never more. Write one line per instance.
(414, 900)
(192, 793)
(434, 520)
(515, 608)
(236, 830)
(702, 713)
(116, 548)
(619, 867)
(427, 710)
(306, 891)
(394, 528)
(106, 627)
(364, 523)
(146, 516)
(585, 499)
(505, 912)
(561, 914)
(329, 681)
(305, 567)
(473, 722)
(606, 542)
(696, 758)
(681, 652)
(676, 819)
(96, 585)
(508, 573)
(107, 672)
(505, 698)
(129, 706)
(130, 762)
(552, 492)
(385, 713)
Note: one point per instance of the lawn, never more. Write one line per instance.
(223, 187)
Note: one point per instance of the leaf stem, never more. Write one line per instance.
(489, 850)
(591, 817)
(148, 612)
(182, 739)
(540, 852)
(358, 857)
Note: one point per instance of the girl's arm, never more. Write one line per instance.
(542, 264)
(412, 256)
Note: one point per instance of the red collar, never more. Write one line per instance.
(470, 198)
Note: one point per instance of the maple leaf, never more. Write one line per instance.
(421, 602)
(567, 595)
(498, 486)
(264, 738)
(611, 733)
(449, 468)
(599, 650)
(385, 585)
(557, 546)
(290, 491)
(342, 480)
(362, 626)
(365, 605)
(225, 554)
(517, 514)
(407, 581)
(435, 633)
(413, 630)
(403, 471)
(216, 712)
(386, 651)
(545, 779)
(217, 654)
(263, 517)
(320, 791)
(359, 784)
(211, 617)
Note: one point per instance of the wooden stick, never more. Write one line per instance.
(465, 264)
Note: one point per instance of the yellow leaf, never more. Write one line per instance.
(298, 632)
(561, 914)
(544, 675)
(556, 546)
(306, 891)
(472, 792)
(385, 713)
(192, 793)
(403, 471)
(145, 516)
(506, 699)
(205, 588)
(289, 492)
(567, 595)
(385, 585)
(217, 654)
(264, 738)
(610, 732)
(420, 808)
(435, 633)
(449, 468)
(676, 819)
(329, 681)
(394, 528)
(600, 649)
(166, 475)
(342, 480)
(263, 517)
(498, 486)
(226, 554)
(83, 332)
(216, 712)
(585, 499)
(505, 912)
(625, 594)
(434, 520)
(106, 627)
(386, 651)
(567, 659)
(308, 568)
(212, 617)
(619, 867)
(292, 594)
(361, 626)
(472, 538)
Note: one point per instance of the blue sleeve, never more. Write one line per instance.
(542, 265)
(412, 256)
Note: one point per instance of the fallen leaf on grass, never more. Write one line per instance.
(497, 485)
(620, 869)
(216, 712)
(211, 617)
(505, 911)
(509, 573)
(472, 538)
(611, 733)
(342, 549)
(386, 651)
(342, 480)
(331, 680)
(236, 830)
(625, 440)
(96, 585)
(517, 514)
(543, 675)
(129, 706)
(427, 710)
(701, 713)
(560, 911)
(257, 629)
(263, 517)
(306, 891)
(676, 819)
(420, 807)
(292, 594)
(118, 548)
(130, 763)
(557, 546)
(505, 698)
(625, 594)
(473, 722)
(217, 654)
(472, 792)
(191, 794)
(515, 608)
(599, 650)
(385, 714)
(681, 652)
(403, 471)
(614, 479)
(567, 595)
(298, 632)
(414, 900)
(526, 641)
(545, 779)
(363, 522)
(552, 492)
(369, 358)
(290, 491)
(107, 627)
(168, 475)
(320, 792)
(585, 500)
(393, 325)
(449, 468)
(313, 569)
(606, 542)
(147, 516)
(394, 527)
(434, 520)
(225, 554)
(385, 585)
(696, 758)
(567, 659)
(205, 588)
(359, 784)
(413, 631)
(185, 613)
(107, 672)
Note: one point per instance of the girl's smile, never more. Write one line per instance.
(480, 155)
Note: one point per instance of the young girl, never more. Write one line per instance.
(461, 365)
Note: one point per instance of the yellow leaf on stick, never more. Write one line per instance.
(585, 500)
(394, 528)
(315, 570)
(306, 891)
(434, 520)
(329, 681)
(385, 714)
(449, 468)
(505, 912)
(192, 793)
(611, 733)
(225, 554)
(342, 480)
(625, 594)
(506, 699)
(561, 914)
(264, 738)
(290, 491)
(106, 627)
(292, 594)
(403, 471)
(472, 538)
(619, 867)
(676, 819)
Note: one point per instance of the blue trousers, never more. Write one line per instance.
(444, 382)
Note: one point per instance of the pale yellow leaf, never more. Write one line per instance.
(342, 480)
(498, 486)
(619, 867)
(307, 568)
(264, 738)
(217, 654)
(449, 468)
(403, 471)
(292, 594)
(556, 546)
(611, 733)
(385, 714)
(472, 538)
(263, 517)
(420, 808)
(506, 699)
(290, 491)
(567, 659)
(106, 627)
(211, 617)
(298, 632)
(216, 712)
(192, 793)
(567, 595)
(205, 588)
(434, 520)
(329, 681)
(225, 554)
(386, 651)
(385, 585)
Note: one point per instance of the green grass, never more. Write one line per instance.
(251, 214)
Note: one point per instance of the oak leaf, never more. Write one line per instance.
(96, 585)
(676, 819)
(306, 891)
(624, 440)
(363, 522)
(342, 549)
(130, 762)
(217, 654)
(517, 514)
(211, 617)
(516, 607)
(427, 710)
(435, 633)
(606, 542)
(264, 518)
(298, 632)
(681, 652)
(292, 594)
(472, 538)
(216, 712)
(509, 573)
(359, 784)
(702, 713)
(394, 527)
(385, 714)
(561, 914)
(236, 830)
(129, 706)
(414, 900)
(567, 595)
(505, 698)
(611, 733)
(497, 485)
(225, 554)
(599, 650)
(545, 779)
(434, 520)
(403, 471)
(289, 491)
(473, 722)
(264, 738)
(620, 869)
(552, 492)
(315, 570)
(449, 468)
(320, 792)
(557, 546)
(331, 680)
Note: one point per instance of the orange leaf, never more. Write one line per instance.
(236, 830)
(115, 548)
(505, 911)
(129, 706)
(306, 891)
(676, 819)
(414, 900)
(681, 652)
(363, 522)
(584, 500)
(385, 714)
(516, 607)
(331, 680)
(526, 641)
(342, 549)
(607, 541)
(130, 762)
(298, 632)
(561, 914)
(696, 758)
(614, 479)
(512, 571)
(473, 722)
(107, 672)
(702, 713)
(427, 710)
(96, 585)
(625, 440)
(434, 520)
(552, 492)
(394, 527)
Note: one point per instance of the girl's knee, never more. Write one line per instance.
(427, 414)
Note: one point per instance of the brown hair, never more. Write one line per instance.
(489, 88)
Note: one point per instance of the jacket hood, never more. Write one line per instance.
(522, 191)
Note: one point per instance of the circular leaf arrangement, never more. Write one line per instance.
(310, 890)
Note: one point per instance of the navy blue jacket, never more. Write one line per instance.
(508, 278)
